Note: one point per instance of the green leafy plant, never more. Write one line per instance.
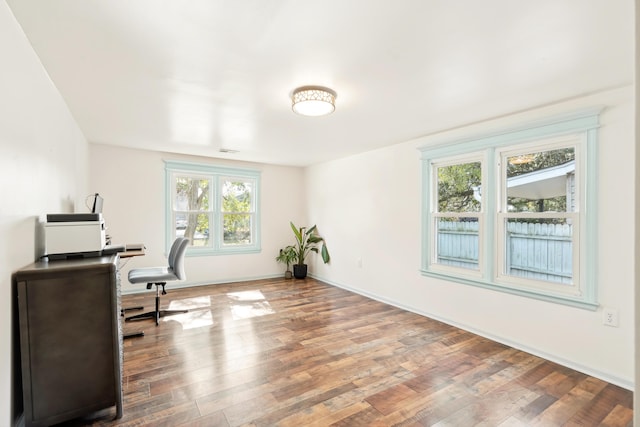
(307, 240)
(287, 255)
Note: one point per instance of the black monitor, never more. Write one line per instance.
(97, 204)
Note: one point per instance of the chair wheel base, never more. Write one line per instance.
(125, 309)
(154, 315)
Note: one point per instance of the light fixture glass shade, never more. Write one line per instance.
(313, 101)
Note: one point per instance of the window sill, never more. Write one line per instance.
(227, 251)
(555, 298)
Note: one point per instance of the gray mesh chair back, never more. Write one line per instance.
(159, 276)
(176, 257)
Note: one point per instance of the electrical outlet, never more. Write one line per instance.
(610, 317)
(359, 262)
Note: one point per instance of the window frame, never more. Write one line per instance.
(216, 176)
(252, 212)
(477, 157)
(579, 129)
(503, 215)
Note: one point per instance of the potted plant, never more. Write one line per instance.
(287, 256)
(307, 240)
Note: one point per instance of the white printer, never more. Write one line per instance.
(80, 235)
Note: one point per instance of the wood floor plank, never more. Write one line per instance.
(430, 408)
(335, 416)
(619, 416)
(303, 353)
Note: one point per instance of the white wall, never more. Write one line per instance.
(132, 183)
(367, 207)
(43, 159)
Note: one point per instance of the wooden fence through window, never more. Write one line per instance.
(535, 251)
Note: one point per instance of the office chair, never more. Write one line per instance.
(159, 276)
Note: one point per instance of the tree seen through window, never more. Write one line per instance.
(236, 208)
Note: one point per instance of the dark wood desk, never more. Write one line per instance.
(70, 338)
(129, 254)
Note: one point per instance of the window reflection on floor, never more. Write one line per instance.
(242, 305)
(248, 304)
(199, 314)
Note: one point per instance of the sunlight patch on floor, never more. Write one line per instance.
(197, 317)
(248, 304)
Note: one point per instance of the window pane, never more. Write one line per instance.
(237, 205)
(181, 222)
(542, 181)
(237, 229)
(191, 194)
(236, 196)
(459, 188)
(193, 226)
(457, 242)
(540, 249)
(190, 201)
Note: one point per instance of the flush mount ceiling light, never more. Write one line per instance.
(313, 100)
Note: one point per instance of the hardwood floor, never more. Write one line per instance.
(302, 353)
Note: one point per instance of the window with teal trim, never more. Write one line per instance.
(508, 211)
(216, 208)
(457, 214)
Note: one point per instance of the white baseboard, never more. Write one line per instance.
(621, 382)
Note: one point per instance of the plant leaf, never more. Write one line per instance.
(325, 254)
(296, 232)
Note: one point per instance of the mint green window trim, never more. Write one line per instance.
(215, 175)
(582, 125)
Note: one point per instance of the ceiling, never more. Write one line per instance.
(199, 76)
